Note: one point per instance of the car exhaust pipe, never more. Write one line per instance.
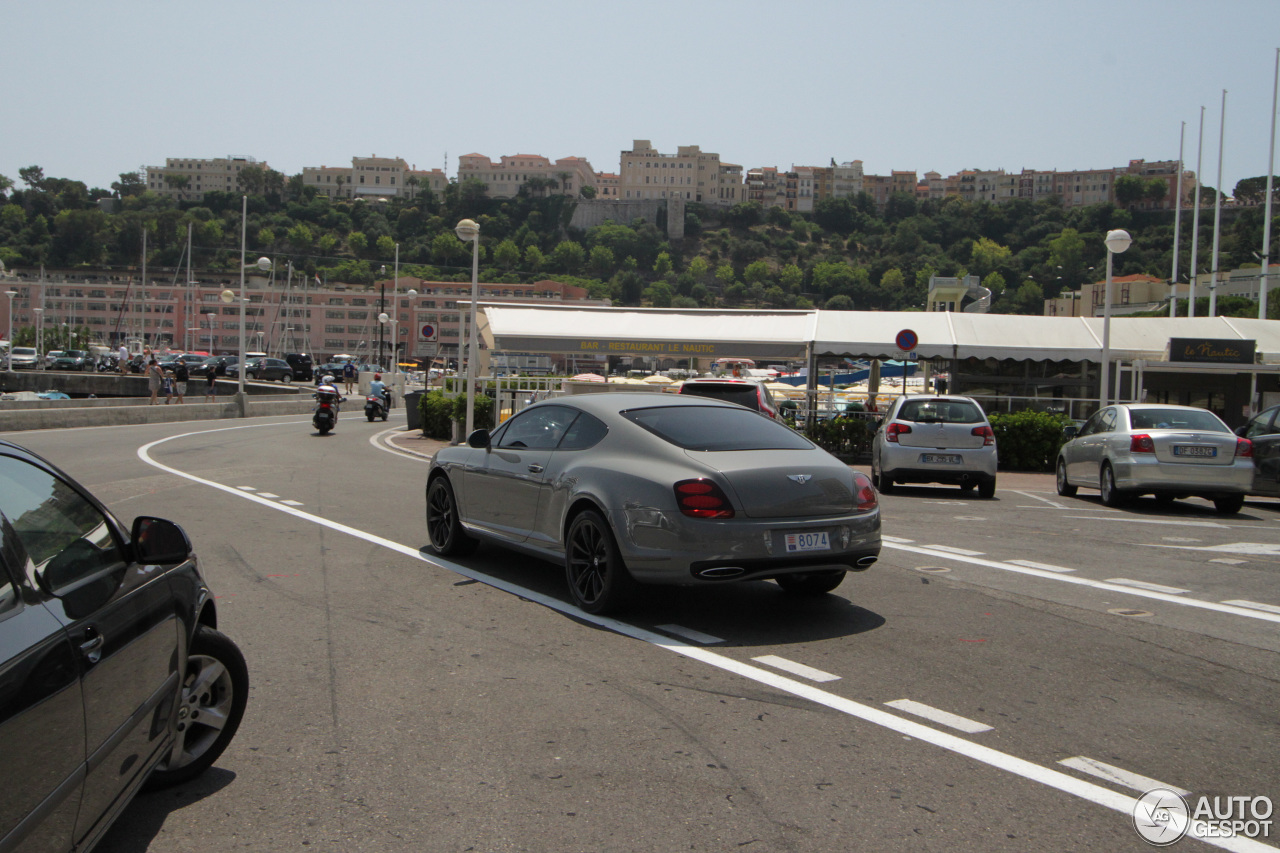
(864, 562)
(721, 572)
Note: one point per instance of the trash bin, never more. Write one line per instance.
(412, 408)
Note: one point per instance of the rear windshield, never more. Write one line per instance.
(716, 428)
(940, 412)
(743, 395)
(1176, 419)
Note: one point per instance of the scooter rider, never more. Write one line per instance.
(377, 387)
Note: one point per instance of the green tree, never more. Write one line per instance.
(757, 272)
(507, 254)
(698, 268)
(994, 282)
(386, 246)
(662, 265)
(839, 302)
(659, 294)
(791, 278)
(587, 192)
(1129, 189)
(568, 256)
(602, 263)
(300, 236)
(266, 237)
(534, 260)
(130, 184)
(725, 275)
(359, 243)
(32, 176)
(1254, 191)
(986, 255)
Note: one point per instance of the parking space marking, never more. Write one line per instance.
(690, 634)
(796, 668)
(1036, 497)
(1032, 564)
(946, 718)
(291, 503)
(268, 495)
(1233, 610)
(1253, 605)
(898, 539)
(247, 488)
(1128, 519)
(1049, 777)
(1133, 781)
(952, 550)
(1256, 549)
(1154, 587)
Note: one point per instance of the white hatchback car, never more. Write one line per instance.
(935, 438)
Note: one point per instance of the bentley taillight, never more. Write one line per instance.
(864, 492)
(702, 498)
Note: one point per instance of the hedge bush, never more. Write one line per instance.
(1027, 440)
(439, 412)
(844, 438)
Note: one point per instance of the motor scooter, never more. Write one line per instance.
(325, 417)
(375, 406)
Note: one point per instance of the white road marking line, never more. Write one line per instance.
(1120, 776)
(1128, 519)
(1154, 587)
(268, 495)
(690, 634)
(1011, 764)
(950, 550)
(884, 538)
(1253, 605)
(1034, 497)
(292, 503)
(1032, 564)
(247, 488)
(1227, 561)
(796, 668)
(1257, 549)
(1079, 581)
(946, 718)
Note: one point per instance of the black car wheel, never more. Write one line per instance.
(598, 580)
(987, 489)
(287, 379)
(443, 525)
(214, 693)
(811, 583)
(1228, 504)
(1065, 489)
(884, 485)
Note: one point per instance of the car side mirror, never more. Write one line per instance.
(1241, 430)
(157, 542)
(1070, 432)
(479, 439)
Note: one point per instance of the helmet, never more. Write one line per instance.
(378, 376)
(327, 379)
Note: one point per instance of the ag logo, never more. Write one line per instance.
(1161, 817)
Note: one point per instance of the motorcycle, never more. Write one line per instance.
(325, 417)
(375, 406)
(108, 363)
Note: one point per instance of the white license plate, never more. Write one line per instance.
(1192, 450)
(940, 458)
(808, 542)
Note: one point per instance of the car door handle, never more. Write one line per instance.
(535, 468)
(91, 648)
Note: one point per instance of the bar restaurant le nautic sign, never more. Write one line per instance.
(1212, 350)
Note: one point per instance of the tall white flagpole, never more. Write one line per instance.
(1177, 229)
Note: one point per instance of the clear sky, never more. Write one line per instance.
(93, 88)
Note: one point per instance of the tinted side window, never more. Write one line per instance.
(538, 428)
(585, 432)
(65, 536)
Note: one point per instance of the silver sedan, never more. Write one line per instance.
(628, 488)
(1168, 451)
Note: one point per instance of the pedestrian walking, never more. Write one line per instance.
(180, 377)
(167, 385)
(210, 388)
(349, 375)
(123, 356)
(155, 376)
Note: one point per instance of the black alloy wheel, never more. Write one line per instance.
(215, 690)
(443, 525)
(598, 580)
(811, 583)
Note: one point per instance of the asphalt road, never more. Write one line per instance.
(1010, 676)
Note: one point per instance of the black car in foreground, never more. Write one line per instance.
(113, 675)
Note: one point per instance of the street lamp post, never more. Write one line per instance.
(466, 230)
(1117, 241)
(39, 312)
(9, 357)
(382, 308)
(228, 296)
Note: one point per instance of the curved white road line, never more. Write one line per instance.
(1031, 771)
